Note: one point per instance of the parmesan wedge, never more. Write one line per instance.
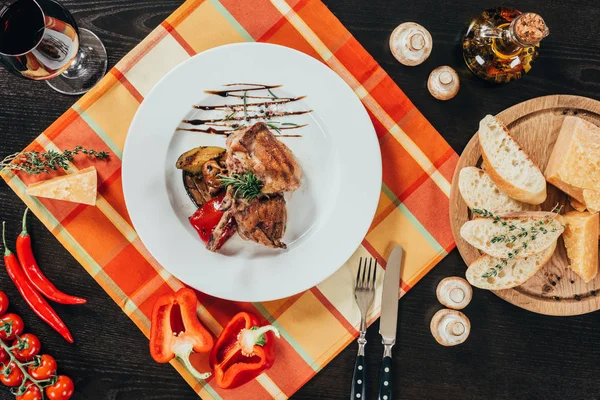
(592, 200)
(80, 187)
(581, 241)
(574, 164)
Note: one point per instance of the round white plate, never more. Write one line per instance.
(328, 216)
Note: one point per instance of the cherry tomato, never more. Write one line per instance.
(31, 393)
(29, 347)
(11, 325)
(3, 356)
(206, 218)
(45, 370)
(62, 390)
(3, 303)
(11, 376)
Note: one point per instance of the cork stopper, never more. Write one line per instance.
(529, 28)
(411, 44)
(443, 83)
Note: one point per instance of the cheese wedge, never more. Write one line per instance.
(80, 187)
(576, 204)
(592, 200)
(574, 164)
(581, 241)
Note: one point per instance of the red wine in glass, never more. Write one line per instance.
(40, 40)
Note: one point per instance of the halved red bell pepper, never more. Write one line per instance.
(243, 351)
(176, 331)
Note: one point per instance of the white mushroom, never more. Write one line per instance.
(454, 292)
(410, 43)
(450, 327)
(443, 83)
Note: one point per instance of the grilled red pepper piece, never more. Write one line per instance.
(206, 218)
(33, 272)
(38, 304)
(176, 331)
(243, 351)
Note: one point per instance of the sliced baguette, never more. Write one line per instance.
(508, 165)
(481, 232)
(511, 274)
(581, 241)
(479, 191)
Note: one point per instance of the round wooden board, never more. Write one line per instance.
(535, 124)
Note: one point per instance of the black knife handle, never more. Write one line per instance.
(358, 379)
(385, 375)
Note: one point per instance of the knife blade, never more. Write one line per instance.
(389, 320)
(389, 296)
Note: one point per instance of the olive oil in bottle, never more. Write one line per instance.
(501, 43)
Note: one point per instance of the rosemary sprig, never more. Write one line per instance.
(35, 163)
(246, 185)
(227, 118)
(510, 237)
(273, 126)
(272, 94)
(245, 105)
(495, 270)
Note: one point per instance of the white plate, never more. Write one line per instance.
(328, 216)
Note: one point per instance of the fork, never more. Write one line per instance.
(364, 293)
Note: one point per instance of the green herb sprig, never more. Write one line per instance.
(539, 228)
(35, 163)
(245, 185)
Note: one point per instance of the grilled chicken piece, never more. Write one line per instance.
(256, 149)
(262, 220)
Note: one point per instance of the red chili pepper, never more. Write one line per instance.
(207, 217)
(33, 272)
(243, 351)
(38, 304)
(176, 331)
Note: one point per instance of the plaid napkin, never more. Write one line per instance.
(317, 324)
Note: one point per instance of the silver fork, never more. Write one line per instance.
(364, 293)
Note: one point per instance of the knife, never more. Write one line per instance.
(389, 319)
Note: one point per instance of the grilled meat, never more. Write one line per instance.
(262, 220)
(257, 150)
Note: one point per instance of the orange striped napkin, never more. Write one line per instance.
(317, 324)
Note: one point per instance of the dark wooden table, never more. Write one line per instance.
(511, 354)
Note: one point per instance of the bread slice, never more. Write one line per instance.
(581, 241)
(508, 165)
(496, 274)
(575, 159)
(478, 191)
(514, 235)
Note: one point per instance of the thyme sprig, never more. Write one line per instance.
(514, 233)
(495, 270)
(245, 185)
(272, 94)
(35, 163)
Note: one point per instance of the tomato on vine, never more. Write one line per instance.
(32, 392)
(28, 346)
(11, 375)
(44, 369)
(11, 326)
(62, 390)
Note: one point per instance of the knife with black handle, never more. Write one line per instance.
(389, 319)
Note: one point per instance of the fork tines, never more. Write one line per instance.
(365, 282)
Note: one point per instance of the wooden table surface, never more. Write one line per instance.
(511, 353)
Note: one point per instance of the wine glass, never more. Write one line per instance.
(39, 40)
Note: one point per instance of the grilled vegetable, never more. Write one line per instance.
(193, 160)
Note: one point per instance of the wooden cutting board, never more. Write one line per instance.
(555, 290)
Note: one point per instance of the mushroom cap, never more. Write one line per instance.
(450, 327)
(410, 43)
(454, 292)
(443, 83)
